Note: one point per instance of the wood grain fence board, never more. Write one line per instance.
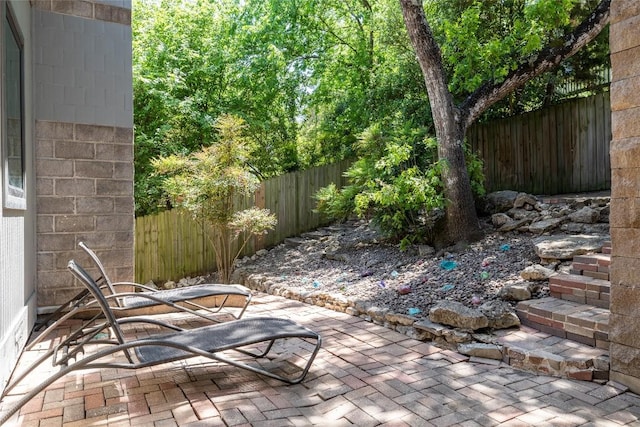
(560, 149)
(171, 245)
(549, 134)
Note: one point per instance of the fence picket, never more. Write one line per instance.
(560, 149)
(171, 245)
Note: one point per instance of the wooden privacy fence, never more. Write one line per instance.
(560, 149)
(170, 245)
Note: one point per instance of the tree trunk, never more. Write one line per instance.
(462, 219)
(451, 122)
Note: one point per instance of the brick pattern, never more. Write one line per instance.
(365, 375)
(84, 184)
(578, 308)
(565, 319)
(588, 281)
(88, 9)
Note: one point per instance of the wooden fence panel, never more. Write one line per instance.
(171, 245)
(560, 149)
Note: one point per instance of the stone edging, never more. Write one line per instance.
(476, 347)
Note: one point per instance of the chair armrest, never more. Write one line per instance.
(137, 286)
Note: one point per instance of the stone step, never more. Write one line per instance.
(582, 323)
(581, 289)
(592, 265)
(543, 353)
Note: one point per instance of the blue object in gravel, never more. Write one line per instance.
(448, 265)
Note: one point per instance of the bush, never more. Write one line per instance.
(208, 183)
(396, 183)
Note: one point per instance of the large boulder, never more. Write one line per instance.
(586, 215)
(565, 247)
(525, 201)
(500, 201)
(458, 315)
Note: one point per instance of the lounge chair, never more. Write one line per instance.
(132, 299)
(211, 341)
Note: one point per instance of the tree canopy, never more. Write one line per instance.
(312, 78)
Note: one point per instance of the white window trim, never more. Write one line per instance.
(12, 200)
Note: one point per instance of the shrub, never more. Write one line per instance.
(396, 183)
(208, 184)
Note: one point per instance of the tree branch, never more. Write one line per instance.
(548, 58)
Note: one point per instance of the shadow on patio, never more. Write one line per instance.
(365, 375)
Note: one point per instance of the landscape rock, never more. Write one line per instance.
(517, 213)
(500, 314)
(487, 351)
(526, 201)
(514, 225)
(573, 215)
(565, 247)
(537, 272)
(434, 329)
(586, 215)
(500, 201)
(500, 219)
(546, 225)
(515, 292)
(582, 228)
(458, 315)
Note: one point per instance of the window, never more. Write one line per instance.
(13, 122)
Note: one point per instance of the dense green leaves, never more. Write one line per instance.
(209, 183)
(396, 182)
(320, 80)
(484, 40)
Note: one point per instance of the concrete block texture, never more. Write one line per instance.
(625, 193)
(624, 9)
(85, 177)
(85, 77)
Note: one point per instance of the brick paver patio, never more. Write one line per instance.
(365, 375)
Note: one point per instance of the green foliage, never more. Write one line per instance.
(483, 40)
(196, 60)
(207, 183)
(397, 182)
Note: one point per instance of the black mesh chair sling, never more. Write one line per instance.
(204, 300)
(252, 337)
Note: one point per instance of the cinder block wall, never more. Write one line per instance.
(625, 193)
(84, 139)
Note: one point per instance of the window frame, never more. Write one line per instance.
(14, 197)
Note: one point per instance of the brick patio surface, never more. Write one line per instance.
(365, 375)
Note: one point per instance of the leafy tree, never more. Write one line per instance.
(501, 69)
(196, 60)
(397, 182)
(207, 184)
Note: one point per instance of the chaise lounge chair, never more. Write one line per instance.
(139, 299)
(211, 341)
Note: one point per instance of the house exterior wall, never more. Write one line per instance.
(624, 323)
(83, 140)
(17, 226)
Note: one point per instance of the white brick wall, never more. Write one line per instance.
(83, 69)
